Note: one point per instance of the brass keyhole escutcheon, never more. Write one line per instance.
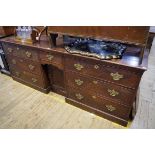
(113, 92)
(96, 67)
(116, 76)
(110, 108)
(78, 82)
(95, 82)
(94, 97)
(78, 67)
(79, 96)
(49, 57)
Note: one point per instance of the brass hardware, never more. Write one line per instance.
(17, 73)
(78, 82)
(94, 97)
(34, 80)
(31, 67)
(110, 108)
(10, 50)
(78, 67)
(14, 61)
(96, 67)
(28, 54)
(95, 82)
(113, 92)
(116, 76)
(79, 96)
(49, 57)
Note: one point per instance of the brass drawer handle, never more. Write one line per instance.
(113, 92)
(78, 82)
(79, 96)
(49, 57)
(34, 80)
(10, 50)
(95, 82)
(28, 54)
(110, 108)
(31, 67)
(96, 67)
(78, 67)
(17, 73)
(116, 76)
(14, 61)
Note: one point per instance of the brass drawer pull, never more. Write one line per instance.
(95, 82)
(96, 67)
(10, 50)
(78, 67)
(49, 57)
(31, 67)
(79, 96)
(116, 76)
(110, 108)
(14, 61)
(113, 92)
(78, 82)
(17, 73)
(28, 54)
(34, 80)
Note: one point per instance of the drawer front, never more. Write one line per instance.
(107, 90)
(21, 51)
(28, 77)
(51, 58)
(10, 49)
(99, 103)
(108, 73)
(23, 64)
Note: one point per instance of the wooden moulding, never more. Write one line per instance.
(97, 112)
(44, 90)
(135, 35)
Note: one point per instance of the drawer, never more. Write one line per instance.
(23, 64)
(51, 58)
(113, 73)
(107, 90)
(21, 51)
(99, 103)
(10, 48)
(28, 77)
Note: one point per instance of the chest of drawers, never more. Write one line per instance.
(106, 88)
(25, 67)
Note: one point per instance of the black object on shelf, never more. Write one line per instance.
(94, 48)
